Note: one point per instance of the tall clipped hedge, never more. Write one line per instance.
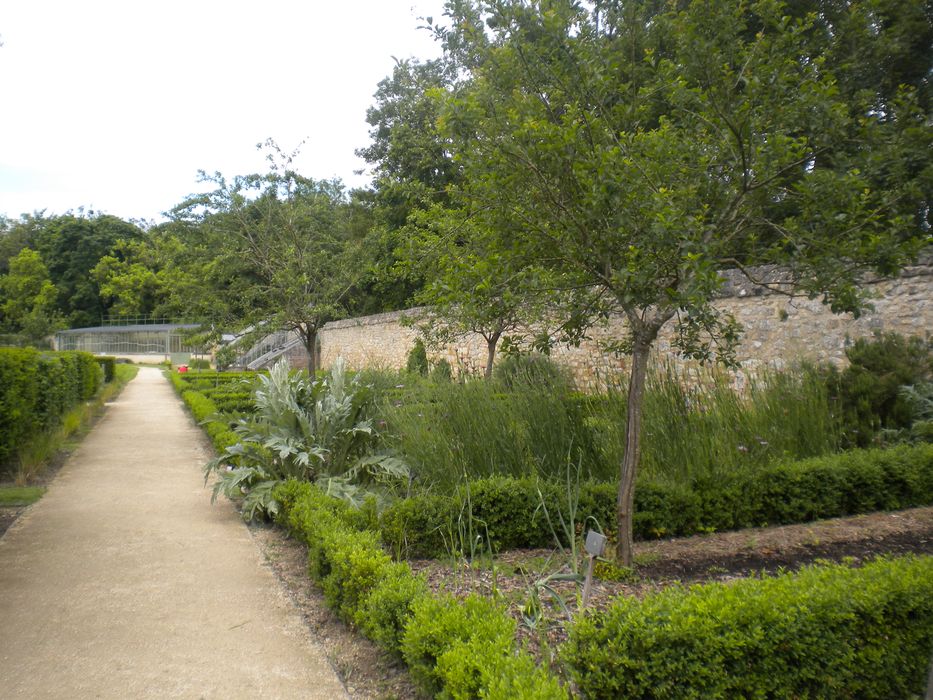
(512, 513)
(825, 632)
(37, 389)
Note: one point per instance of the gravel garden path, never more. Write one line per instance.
(124, 581)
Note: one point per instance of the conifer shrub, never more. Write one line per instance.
(417, 362)
(868, 392)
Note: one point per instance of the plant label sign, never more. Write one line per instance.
(595, 543)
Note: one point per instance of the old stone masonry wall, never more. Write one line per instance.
(777, 331)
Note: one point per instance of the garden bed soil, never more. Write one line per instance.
(370, 674)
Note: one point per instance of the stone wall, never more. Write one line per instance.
(777, 331)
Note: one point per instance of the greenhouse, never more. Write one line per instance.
(167, 340)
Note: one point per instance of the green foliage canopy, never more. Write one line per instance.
(28, 297)
(284, 251)
(634, 149)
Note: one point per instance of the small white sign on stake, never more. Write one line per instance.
(595, 546)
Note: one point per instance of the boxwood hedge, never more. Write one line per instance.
(455, 649)
(508, 512)
(825, 632)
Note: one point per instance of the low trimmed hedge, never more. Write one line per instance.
(455, 649)
(203, 410)
(825, 632)
(37, 389)
(228, 390)
(507, 513)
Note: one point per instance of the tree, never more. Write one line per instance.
(131, 288)
(413, 167)
(471, 287)
(636, 148)
(285, 256)
(412, 171)
(71, 245)
(28, 297)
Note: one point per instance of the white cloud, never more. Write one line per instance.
(116, 105)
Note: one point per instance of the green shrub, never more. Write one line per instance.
(357, 564)
(441, 372)
(448, 642)
(416, 527)
(417, 362)
(38, 389)
(868, 390)
(200, 406)
(385, 611)
(509, 511)
(826, 632)
(109, 365)
(511, 677)
(212, 421)
(457, 650)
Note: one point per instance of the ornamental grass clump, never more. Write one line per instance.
(309, 430)
(697, 424)
(479, 429)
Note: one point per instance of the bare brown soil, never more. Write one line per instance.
(512, 576)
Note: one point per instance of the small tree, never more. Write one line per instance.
(27, 298)
(285, 241)
(471, 288)
(634, 149)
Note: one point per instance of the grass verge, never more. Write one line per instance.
(18, 496)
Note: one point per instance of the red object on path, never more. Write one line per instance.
(182, 369)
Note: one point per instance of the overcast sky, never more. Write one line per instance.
(115, 105)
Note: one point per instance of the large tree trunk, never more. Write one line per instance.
(626, 495)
